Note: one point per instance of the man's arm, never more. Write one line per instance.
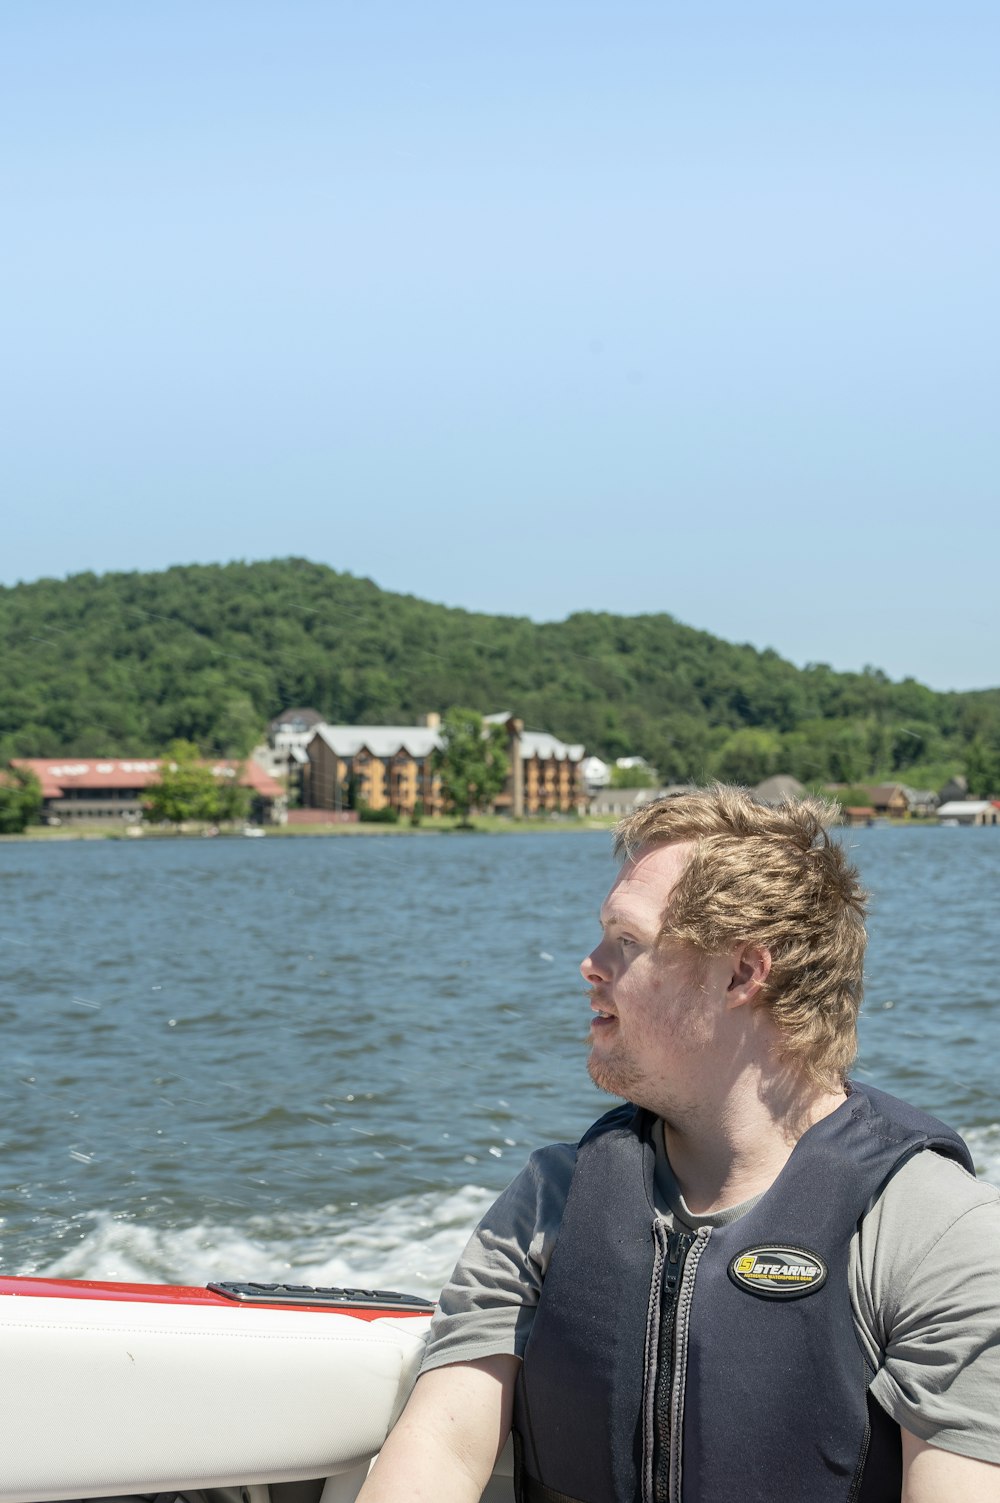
(444, 1446)
(931, 1475)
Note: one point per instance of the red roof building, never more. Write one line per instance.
(111, 788)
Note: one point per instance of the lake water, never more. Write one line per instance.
(324, 1056)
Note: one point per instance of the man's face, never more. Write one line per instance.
(655, 1011)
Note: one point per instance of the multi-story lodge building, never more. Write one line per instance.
(379, 766)
(545, 773)
(392, 766)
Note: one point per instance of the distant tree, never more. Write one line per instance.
(187, 788)
(879, 738)
(748, 756)
(20, 799)
(239, 727)
(633, 777)
(982, 769)
(856, 797)
(916, 741)
(472, 762)
(232, 799)
(678, 749)
(383, 816)
(820, 751)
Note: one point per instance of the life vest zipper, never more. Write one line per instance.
(675, 1254)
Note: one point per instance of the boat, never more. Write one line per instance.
(246, 1392)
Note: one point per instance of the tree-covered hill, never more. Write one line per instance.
(123, 663)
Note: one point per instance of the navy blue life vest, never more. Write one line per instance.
(721, 1366)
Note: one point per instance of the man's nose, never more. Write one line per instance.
(592, 966)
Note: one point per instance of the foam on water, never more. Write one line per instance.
(984, 1145)
(409, 1244)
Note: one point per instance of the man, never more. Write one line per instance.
(757, 1280)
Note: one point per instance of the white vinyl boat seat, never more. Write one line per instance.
(105, 1398)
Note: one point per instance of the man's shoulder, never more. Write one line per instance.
(553, 1163)
(934, 1223)
(930, 1297)
(933, 1191)
(535, 1197)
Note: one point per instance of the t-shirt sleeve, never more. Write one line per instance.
(930, 1256)
(487, 1306)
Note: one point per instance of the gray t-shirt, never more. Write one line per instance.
(924, 1276)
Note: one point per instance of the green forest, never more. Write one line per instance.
(122, 664)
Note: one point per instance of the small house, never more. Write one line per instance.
(969, 811)
(889, 800)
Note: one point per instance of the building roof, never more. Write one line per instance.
(595, 772)
(58, 775)
(970, 807)
(780, 789)
(919, 795)
(252, 776)
(540, 744)
(381, 740)
(298, 719)
(548, 748)
(615, 800)
(420, 740)
(620, 800)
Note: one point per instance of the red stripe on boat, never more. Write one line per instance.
(170, 1294)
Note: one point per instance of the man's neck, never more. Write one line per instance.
(722, 1156)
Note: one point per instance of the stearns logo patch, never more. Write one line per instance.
(777, 1272)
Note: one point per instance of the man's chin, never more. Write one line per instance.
(608, 1077)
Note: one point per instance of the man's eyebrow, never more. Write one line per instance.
(615, 919)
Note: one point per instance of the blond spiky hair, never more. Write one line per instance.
(769, 876)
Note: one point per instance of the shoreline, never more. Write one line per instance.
(486, 824)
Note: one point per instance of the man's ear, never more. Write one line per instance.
(751, 968)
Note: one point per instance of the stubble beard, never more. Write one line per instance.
(623, 1078)
(618, 1076)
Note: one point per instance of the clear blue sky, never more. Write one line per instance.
(532, 307)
